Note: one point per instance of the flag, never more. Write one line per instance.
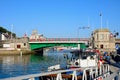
(117, 46)
(100, 14)
(25, 35)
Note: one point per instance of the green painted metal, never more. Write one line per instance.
(45, 45)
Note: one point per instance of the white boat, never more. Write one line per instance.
(87, 64)
(54, 67)
(83, 59)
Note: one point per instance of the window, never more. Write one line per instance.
(101, 46)
(97, 45)
(97, 37)
(18, 46)
(24, 44)
(101, 36)
(106, 46)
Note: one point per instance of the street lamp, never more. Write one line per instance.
(84, 27)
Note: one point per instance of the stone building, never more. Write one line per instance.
(103, 40)
(20, 43)
(15, 44)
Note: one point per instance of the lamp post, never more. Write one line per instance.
(84, 27)
(11, 31)
(78, 33)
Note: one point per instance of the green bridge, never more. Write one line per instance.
(64, 42)
(34, 46)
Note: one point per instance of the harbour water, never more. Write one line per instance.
(17, 65)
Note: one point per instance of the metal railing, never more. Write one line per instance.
(93, 73)
(60, 39)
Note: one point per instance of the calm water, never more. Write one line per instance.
(17, 65)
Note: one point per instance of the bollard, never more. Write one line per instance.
(20, 53)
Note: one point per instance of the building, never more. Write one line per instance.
(0, 36)
(103, 40)
(36, 36)
(4, 36)
(20, 43)
(15, 44)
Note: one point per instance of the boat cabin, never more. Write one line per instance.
(86, 58)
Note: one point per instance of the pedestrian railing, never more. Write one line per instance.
(89, 73)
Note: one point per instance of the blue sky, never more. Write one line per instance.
(59, 18)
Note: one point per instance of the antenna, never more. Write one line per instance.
(88, 23)
(11, 30)
(107, 24)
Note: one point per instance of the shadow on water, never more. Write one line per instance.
(36, 58)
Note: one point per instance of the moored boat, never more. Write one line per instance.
(86, 58)
(84, 65)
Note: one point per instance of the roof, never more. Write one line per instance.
(101, 30)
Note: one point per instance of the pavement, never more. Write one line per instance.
(114, 66)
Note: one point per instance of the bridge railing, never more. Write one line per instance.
(59, 39)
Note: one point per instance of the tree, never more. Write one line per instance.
(3, 30)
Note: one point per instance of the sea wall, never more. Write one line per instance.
(16, 52)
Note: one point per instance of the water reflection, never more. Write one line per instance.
(13, 65)
(15, 59)
(17, 65)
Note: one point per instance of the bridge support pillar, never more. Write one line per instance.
(78, 46)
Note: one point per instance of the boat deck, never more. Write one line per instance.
(64, 76)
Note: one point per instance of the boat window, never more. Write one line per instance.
(84, 57)
(91, 57)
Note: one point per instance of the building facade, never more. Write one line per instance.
(3, 36)
(103, 40)
(15, 44)
(36, 36)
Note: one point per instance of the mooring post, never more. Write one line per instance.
(78, 46)
(20, 53)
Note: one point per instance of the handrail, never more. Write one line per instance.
(94, 73)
